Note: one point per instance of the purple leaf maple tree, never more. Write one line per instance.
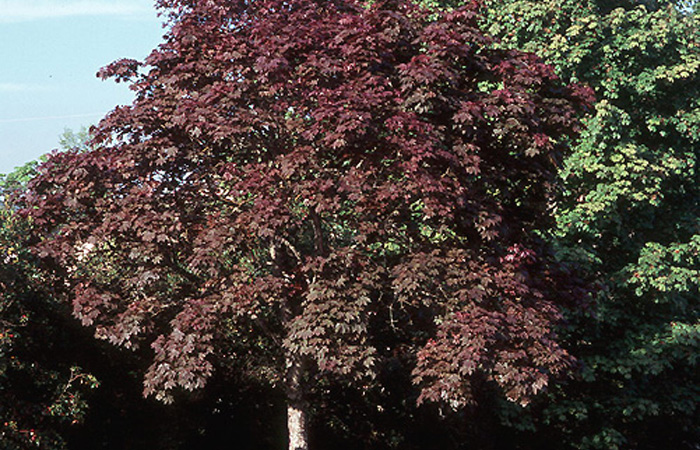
(300, 171)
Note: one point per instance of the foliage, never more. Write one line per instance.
(39, 395)
(303, 188)
(75, 140)
(629, 214)
(15, 181)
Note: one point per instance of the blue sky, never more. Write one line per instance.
(50, 51)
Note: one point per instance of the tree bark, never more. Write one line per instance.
(297, 408)
(297, 411)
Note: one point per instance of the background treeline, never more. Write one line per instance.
(627, 220)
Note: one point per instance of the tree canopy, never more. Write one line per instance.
(327, 183)
(629, 214)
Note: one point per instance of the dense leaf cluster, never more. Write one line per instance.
(629, 214)
(41, 393)
(303, 169)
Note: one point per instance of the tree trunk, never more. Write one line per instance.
(297, 413)
(297, 408)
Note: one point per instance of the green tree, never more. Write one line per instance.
(75, 140)
(629, 215)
